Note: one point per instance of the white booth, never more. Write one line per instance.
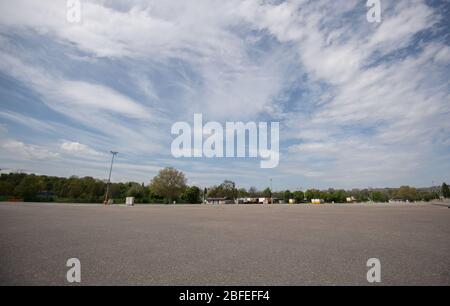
(129, 201)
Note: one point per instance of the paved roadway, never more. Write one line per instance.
(224, 245)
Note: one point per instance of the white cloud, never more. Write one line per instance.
(27, 121)
(364, 130)
(95, 106)
(99, 98)
(18, 149)
(78, 149)
(135, 28)
(204, 34)
(443, 55)
(373, 101)
(63, 94)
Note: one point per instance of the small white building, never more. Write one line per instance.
(398, 201)
(129, 201)
(219, 201)
(351, 200)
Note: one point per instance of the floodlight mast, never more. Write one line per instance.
(109, 178)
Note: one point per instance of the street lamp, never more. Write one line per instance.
(109, 178)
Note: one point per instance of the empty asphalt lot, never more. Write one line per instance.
(224, 245)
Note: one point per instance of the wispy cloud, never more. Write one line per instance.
(79, 149)
(27, 151)
(359, 103)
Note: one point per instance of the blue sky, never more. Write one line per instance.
(359, 104)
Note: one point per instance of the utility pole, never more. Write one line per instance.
(109, 178)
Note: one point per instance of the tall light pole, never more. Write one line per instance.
(109, 177)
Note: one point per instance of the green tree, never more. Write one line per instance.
(169, 183)
(312, 194)
(253, 192)
(267, 193)
(299, 196)
(445, 190)
(192, 195)
(428, 196)
(29, 187)
(6, 188)
(229, 189)
(136, 190)
(378, 196)
(407, 193)
(225, 190)
(75, 188)
(287, 196)
(242, 193)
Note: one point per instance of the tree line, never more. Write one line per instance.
(170, 185)
(42, 188)
(404, 193)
